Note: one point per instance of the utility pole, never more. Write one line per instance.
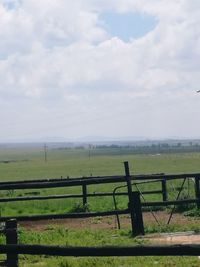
(45, 152)
(89, 152)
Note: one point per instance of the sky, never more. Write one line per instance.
(106, 68)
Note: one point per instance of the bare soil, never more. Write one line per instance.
(111, 223)
(106, 222)
(174, 238)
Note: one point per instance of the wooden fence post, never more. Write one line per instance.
(11, 238)
(84, 192)
(164, 189)
(134, 205)
(197, 191)
(138, 223)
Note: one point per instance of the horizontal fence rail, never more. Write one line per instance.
(12, 249)
(169, 203)
(65, 216)
(127, 179)
(95, 214)
(51, 183)
(99, 194)
(122, 251)
(71, 182)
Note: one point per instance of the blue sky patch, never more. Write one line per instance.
(127, 25)
(11, 4)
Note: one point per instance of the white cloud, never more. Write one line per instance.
(56, 59)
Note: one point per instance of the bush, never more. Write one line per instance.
(78, 207)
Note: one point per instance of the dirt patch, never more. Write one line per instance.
(163, 216)
(107, 222)
(174, 238)
(87, 223)
(111, 223)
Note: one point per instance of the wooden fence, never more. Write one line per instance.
(135, 204)
(84, 182)
(10, 231)
(12, 249)
(87, 181)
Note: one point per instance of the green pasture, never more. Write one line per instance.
(87, 237)
(28, 163)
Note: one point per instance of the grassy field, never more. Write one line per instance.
(28, 163)
(65, 236)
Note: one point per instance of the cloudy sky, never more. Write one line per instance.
(99, 68)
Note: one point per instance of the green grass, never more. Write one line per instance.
(30, 164)
(65, 236)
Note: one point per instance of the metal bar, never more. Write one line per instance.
(115, 203)
(141, 194)
(171, 214)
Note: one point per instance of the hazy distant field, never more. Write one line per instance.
(30, 163)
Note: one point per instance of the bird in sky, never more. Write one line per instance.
(198, 91)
